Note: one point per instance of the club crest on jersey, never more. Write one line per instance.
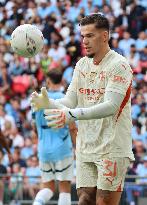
(90, 76)
(102, 76)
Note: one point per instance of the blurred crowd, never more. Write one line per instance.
(19, 77)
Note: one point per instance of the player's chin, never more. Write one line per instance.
(90, 55)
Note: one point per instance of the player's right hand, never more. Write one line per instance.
(40, 101)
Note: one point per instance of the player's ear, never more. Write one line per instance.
(105, 36)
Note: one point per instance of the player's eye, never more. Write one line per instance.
(90, 36)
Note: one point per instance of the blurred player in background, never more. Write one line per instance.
(55, 150)
(99, 98)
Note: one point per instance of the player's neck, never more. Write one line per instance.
(55, 87)
(99, 56)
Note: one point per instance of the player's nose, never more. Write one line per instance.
(85, 41)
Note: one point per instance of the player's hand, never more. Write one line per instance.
(40, 101)
(58, 118)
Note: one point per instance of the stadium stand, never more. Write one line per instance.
(58, 20)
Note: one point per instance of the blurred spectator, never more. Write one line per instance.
(137, 135)
(107, 11)
(24, 103)
(5, 143)
(139, 150)
(16, 182)
(74, 10)
(5, 118)
(57, 52)
(15, 67)
(27, 150)
(31, 10)
(67, 76)
(133, 57)
(143, 56)
(114, 46)
(142, 172)
(137, 18)
(17, 138)
(49, 28)
(45, 59)
(126, 42)
(32, 179)
(116, 7)
(16, 16)
(141, 41)
(64, 30)
(131, 186)
(3, 170)
(5, 80)
(15, 109)
(123, 20)
(46, 8)
(142, 118)
(73, 49)
(17, 159)
(34, 136)
(143, 60)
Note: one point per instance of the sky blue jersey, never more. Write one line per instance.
(53, 144)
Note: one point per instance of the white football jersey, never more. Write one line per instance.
(110, 136)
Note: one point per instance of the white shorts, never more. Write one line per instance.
(60, 170)
(106, 174)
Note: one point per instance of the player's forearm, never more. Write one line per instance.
(57, 118)
(70, 100)
(73, 132)
(102, 110)
(59, 103)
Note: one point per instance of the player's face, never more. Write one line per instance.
(93, 39)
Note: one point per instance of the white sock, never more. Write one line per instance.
(43, 196)
(64, 199)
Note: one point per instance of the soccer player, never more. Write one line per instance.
(54, 150)
(99, 98)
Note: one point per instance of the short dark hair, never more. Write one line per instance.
(99, 20)
(55, 75)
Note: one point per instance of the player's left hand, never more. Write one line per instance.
(58, 118)
(40, 101)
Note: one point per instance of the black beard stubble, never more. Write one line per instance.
(90, 55)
